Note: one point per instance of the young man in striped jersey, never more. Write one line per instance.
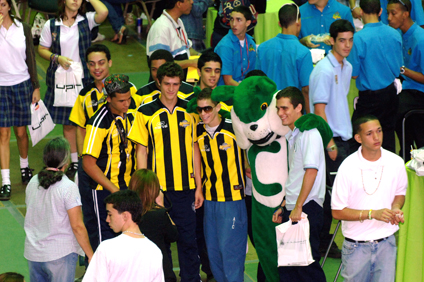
(165, 137)
(225, 220)
(108, 156)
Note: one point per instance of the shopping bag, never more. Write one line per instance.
(417, 162)
(293, 244)
(68, 84)
(41, 122)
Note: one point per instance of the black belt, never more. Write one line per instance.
(368, 241)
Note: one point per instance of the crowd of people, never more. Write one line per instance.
(161, 163)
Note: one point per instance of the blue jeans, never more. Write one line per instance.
(369, 262)
(225, 227)
(115, 16)
(60, 270)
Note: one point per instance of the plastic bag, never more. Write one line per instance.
(294, 248)
(68, 84)
(417, 162)
(41, 122)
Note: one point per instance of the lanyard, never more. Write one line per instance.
(241, 56)
(178, 30)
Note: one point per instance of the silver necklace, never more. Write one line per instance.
(139, 234)
(378, 185)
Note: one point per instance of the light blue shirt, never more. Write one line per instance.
(413, 55)
(376, 56)
(305, 151)
(236, 60)
(286, 61)
(316, 22)
(329, 84)
(416, 13)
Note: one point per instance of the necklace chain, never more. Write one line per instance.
(378, 185)
(135, 233)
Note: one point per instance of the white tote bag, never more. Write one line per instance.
(293, 244)
(41, 122)
(68, 84)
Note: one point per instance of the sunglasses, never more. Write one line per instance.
(206, 109)
(297, 8)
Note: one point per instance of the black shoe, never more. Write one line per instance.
(72, 170)
(26, 174)
(335, 252)
(5, 192)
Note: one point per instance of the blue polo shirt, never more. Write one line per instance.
(236, 60)
(376, 56)
(416, 13)
(285, 60)
(413, 55)
(316, 22)
(329, 84)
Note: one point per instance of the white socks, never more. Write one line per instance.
(24, 162)
(5, 177)
(74, 157)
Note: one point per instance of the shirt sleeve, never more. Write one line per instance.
(90, 18)
(98, 269)
(340, 192)
(417, 12)
(46, 35)
(402, 183)
(353, 57)
(71, 196)
(319, 87)
(139, 132)
(158, 38)
(77, 115)
(305, 69)
(93, 140)
(227, 57)
(311, 149)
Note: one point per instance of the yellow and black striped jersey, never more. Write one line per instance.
(104, 142)
(150, 91)
(90, 99)
(169, 138)
(222, 163)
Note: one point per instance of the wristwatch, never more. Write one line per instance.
(332, 148)
(402, 69)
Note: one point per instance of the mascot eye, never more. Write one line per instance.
(264, 106)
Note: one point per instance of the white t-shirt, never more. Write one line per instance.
(384, 179)
(125, 258)
(69, 36)
(13, 68)
(169, 35)
(49, 234)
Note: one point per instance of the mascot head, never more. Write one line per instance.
(254, 113)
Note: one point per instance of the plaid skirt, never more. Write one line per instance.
(15, 104)
(60, 115)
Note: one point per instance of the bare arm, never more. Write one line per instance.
(305, 92)
(228, 80)
(396, 207)
(80, 139)
(80, 232)
(307, 42)
(307, 184)
(90, 166)
(197, 176)
(414, 75)
(101, 11)
(319, 110)
(45, 53)
(141, 156)
(187, 63)
(385, 215)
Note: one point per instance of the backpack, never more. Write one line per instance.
(228, 6)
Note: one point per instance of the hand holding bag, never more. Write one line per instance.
(68, 84)
(41, 122)
(294, 248)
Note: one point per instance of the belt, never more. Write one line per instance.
(368, 241)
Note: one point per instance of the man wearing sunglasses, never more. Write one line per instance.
(283, 58)
(376, 59)
(412, 95)
(165, 137)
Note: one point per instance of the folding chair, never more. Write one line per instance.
(145, 10)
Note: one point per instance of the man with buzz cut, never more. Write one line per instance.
(368, 195)
(237, 49)
(209, 68)
(305, 185)
(283, 58)
(375, 70)
(130, 256)
(412, 95)
(223, 182)
(329, 87)
(166, 135)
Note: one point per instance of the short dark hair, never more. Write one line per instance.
(245, 11)
(405, 4)
(205, 94)
(209, 56)
(170, 4)
(97, 48)
(160, 54)
(126, 201)
(11, 277)
(356, 124)
(340, 26)
(255, 73)
(287, 15)
(170, 70)
(294, 94)
(370, 6)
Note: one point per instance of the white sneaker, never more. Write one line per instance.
(100, 37)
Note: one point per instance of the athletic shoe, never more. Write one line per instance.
(72, 169)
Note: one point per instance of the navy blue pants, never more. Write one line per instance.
(312, 272)
(184, 216)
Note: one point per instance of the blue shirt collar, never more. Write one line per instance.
(233, 37)
(373, 24)
(329, 3)
(334, 61)
(287, 36)
(410, 31)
